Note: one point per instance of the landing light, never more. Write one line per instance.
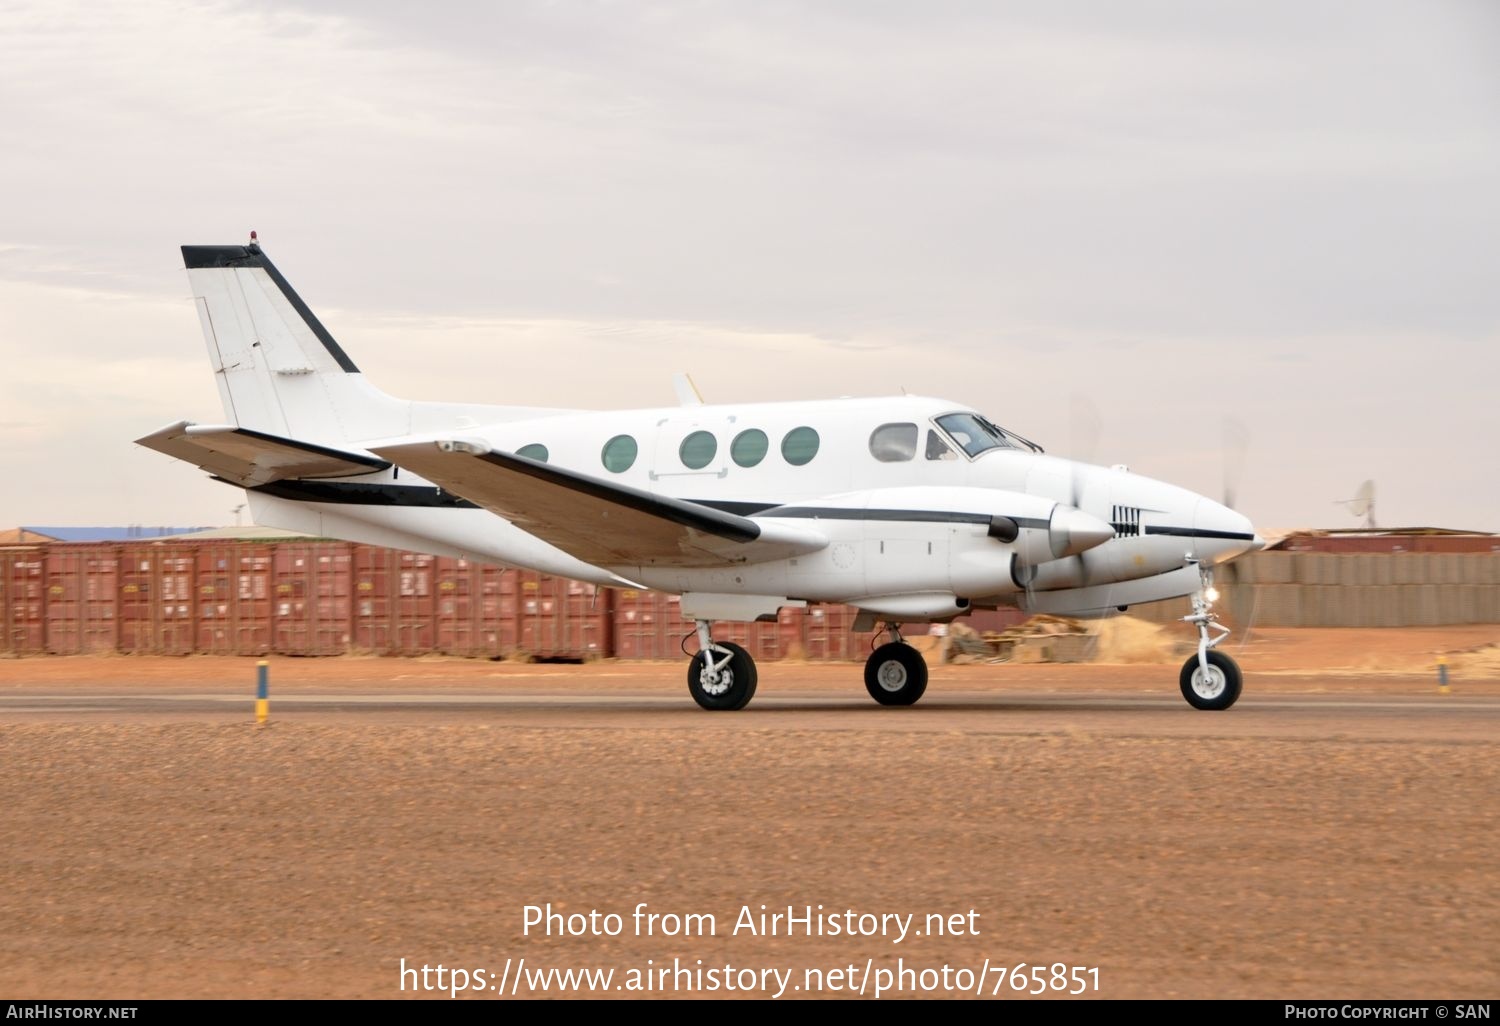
(1212, 594)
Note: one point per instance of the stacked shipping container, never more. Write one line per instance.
(329, 598)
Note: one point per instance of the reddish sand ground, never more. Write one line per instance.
(1272, 653)
(1331, 836)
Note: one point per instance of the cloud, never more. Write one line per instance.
(1283, 212)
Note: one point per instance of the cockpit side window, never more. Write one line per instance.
(937, 449)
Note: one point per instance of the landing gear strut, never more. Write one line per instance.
(895, 673)
(722, 674)
(1209, 679)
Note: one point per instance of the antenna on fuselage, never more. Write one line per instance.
(687, 392)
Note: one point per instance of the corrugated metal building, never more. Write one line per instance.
(1417, 577)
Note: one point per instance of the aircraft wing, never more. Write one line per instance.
(602, 523)
(250, 458)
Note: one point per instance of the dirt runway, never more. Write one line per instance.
(1333, 835)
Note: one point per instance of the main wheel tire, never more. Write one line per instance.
(735, 686)
(1218, 689)
(896, 674)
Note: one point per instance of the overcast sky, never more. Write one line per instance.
(1149, 216)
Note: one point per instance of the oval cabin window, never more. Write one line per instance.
(698, 449)
(749, 447)
(894, 443)
(799, 446)
(619, 454)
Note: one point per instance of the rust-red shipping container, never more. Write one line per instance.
(500, 607)
(472, 615)
(63, 576)
(137, 619)
(157, 604)
(393, 611)
(558, 618)
(649, 625)
(23, 601)
(792, 626)
(214, 572)
(645, 627)
(829, 634)
(255, 566)
(234, 595)
(311, 606)
(454, 607)
(374, 599)
(414, 621)
(763, 641)
(81, 592)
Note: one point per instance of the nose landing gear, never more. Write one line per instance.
(1209, 679)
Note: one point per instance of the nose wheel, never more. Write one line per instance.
(1214, 686)
(1210, 679)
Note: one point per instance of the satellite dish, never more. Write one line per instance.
(1363, 503)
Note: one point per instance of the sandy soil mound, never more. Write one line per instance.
(1124, 639)
(1478, 662)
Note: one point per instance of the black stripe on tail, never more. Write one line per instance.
(251, 256)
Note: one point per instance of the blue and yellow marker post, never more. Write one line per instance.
(1442, 665)
(262, 692)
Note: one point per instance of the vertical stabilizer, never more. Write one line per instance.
(279, 369)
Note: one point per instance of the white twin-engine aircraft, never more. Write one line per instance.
(914, 510)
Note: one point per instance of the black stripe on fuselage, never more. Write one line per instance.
(1195, 532)
(194, 257)
(921, 516)
(744, 509)
(371, 494)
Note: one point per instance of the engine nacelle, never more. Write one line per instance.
(982, 569)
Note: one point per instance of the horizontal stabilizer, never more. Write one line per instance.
(250, 458)
(597, 521)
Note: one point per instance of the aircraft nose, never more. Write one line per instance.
(1221, 533)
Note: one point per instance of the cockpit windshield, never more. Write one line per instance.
(975, 435)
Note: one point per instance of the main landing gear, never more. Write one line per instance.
(1209, 679)
(722, 674)
(895, 673)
